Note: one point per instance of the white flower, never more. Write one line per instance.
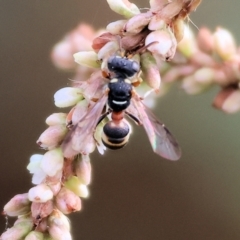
(52, 162)
(87, 58)
(67, 97)
(124, 8)
(34, 167)
(40, 193)
(56, 119)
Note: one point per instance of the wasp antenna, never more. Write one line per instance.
(189, 20)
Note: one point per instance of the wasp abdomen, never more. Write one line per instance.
(114, 135)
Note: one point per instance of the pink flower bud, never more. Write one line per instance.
(187, 46)
(67, 201)
(18, 231)
(101, 40)
(228, 100)
(108, 50)
(156, 23)
(18, 205)
(204, 76)
(224, 44)
(130, 42)
(34, 235)
(150, 71)
(116, 27)
(77, 187)
(67, 97)
(165, 46)
(205, 40)
(52, 137)
(56, 119)
(137, 23)
(193, 85)
(59, 226)
(83, 169)
(40, 193)
(41, 210)
(87, 58)
(52, 162)
(124, 8)
(62, 55)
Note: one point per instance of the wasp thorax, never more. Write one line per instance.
(115, 135)
(122, 66)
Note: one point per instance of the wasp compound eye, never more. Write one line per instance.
(114, 135)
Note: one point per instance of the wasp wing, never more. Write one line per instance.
(80, 139)
(162, 141)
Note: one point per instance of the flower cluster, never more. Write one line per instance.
(61, 175)
(206, 60)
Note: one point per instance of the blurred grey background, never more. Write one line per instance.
(134, 195)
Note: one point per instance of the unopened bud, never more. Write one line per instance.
(34, 235)
(18, 205)
(59, 227)
(41, 210)
(124, 8)
(40, 193)
(165, 46)
(67, 97)
(150, 70)
(116, 27)
(193, 87)
(205, 40)
(187, 46)
(77, 187)
(137, 23)
(52, 137)
(67, 201)
(204, 76)
(18, 231)
(62, 55)
(87, 58)
(228, 100)
(52, 162)
(108, 50)
(101, 40)
(224, 44)
(83, 169)
(56, 119)
(156, 23)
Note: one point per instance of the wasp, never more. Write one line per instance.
(121, 99)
